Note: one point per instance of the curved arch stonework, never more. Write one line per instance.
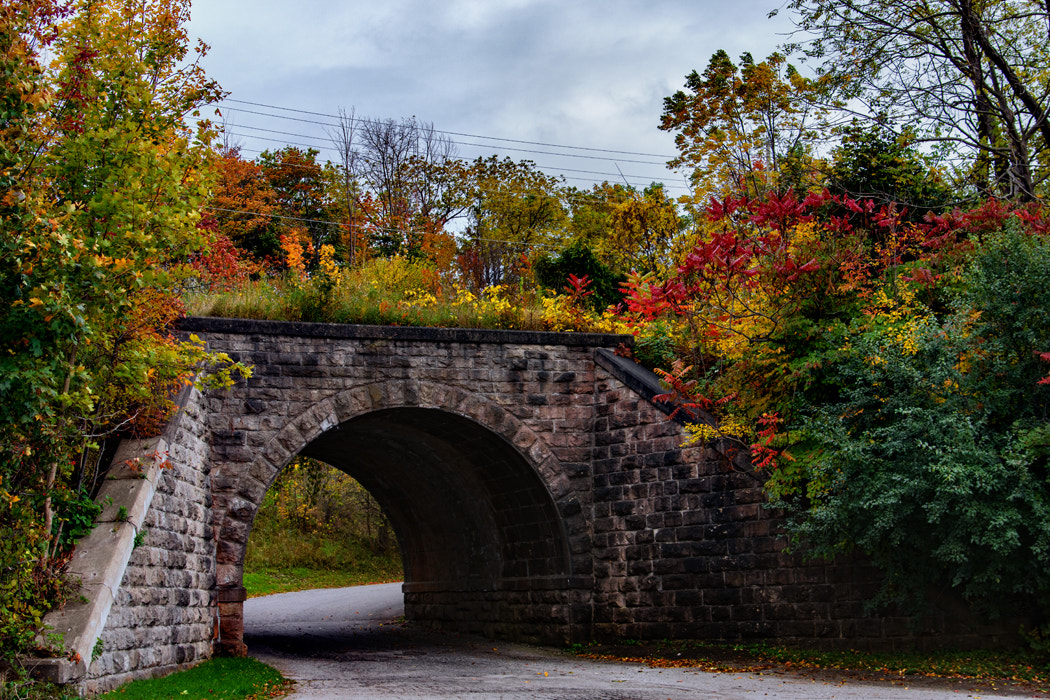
(559, 503)
(537, 493)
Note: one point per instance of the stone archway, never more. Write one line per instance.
(492, 537)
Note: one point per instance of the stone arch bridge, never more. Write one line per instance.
(536, 491)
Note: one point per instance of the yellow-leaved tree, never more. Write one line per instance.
(101, 180)
(744, 130)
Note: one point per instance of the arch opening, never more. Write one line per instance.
(318, 527)
(469, 511)
(484, 543)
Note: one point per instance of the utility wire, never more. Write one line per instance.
(456, 133)
(520, 150)
(374, 228)
(315, 144)
(315, 166)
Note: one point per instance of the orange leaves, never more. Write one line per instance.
(294, 254)
(243, 204)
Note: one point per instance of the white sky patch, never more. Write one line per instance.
(587, 73)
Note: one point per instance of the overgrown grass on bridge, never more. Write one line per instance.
(396, 291)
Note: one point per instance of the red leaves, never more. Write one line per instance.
(577, 287)
(737, 258)
(791, 271)
(815, 200)
(1045, 357)
(717, 211)
(1036, 219)
(923, 276)
(764, 455)
(648, 300)
(782, 211)
(222, 265)
(72, 90)
(683, 393)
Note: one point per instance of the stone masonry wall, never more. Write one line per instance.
(163, 617)
(579, 513)
(685, 548)
(533, 392)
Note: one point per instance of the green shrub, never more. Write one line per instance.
(577, 259)
(933, 460)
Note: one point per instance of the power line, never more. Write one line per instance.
(457, 133)
(374, 228)
(315, 166)
(329, 147)
(479, 145)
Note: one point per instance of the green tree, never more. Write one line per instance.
(514, 207)
(643, 230)
(933, 460)
(743, 130)
(590, 212)
(874, 163)
(101, 186)
(299, 192)
(969, 76)
(579, 260)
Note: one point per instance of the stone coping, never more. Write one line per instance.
(646, 384)
(244, 326)
(100, 558)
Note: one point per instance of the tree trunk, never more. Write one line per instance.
(1031, 105)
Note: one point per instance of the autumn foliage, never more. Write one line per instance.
(870, 326)
(90, 272)
(887, 378)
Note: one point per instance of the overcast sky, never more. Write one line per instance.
(577, 73)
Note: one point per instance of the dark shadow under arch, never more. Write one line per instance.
(468, 509)
(484, 546)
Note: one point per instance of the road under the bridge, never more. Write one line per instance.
(353, 643)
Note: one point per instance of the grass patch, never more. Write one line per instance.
(16, 684)
(217, 679)
(1020, 668)
(268, 581)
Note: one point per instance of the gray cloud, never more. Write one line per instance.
(587, 73)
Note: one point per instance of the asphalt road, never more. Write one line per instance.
(348, 643)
